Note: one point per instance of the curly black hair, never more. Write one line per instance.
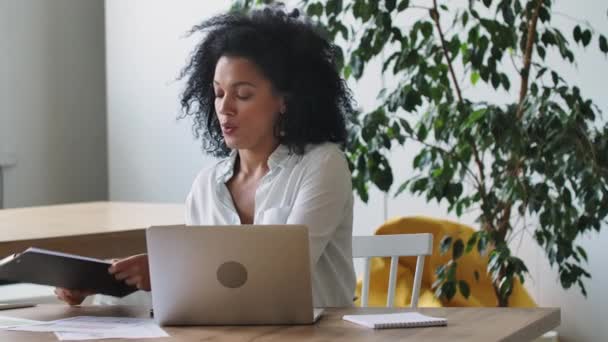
(290, 52)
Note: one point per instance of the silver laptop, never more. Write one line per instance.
(230, 275)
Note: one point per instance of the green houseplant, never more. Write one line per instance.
(543, 156)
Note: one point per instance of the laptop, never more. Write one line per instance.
(230, 275)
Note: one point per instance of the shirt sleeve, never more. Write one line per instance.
(322, 198)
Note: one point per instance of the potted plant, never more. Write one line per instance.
(543, 156)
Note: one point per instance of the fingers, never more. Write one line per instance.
(133, 271)
(134, 281)
(124, 264)
(138, 280)
(65, 296)
(72, 297)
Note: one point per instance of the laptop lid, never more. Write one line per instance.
(224, 275)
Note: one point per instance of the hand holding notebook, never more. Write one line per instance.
(396, 320)
(44, 267)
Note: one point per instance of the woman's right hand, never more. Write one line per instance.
(72, 297)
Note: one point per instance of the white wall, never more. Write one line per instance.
(52, 101)
(152, 157)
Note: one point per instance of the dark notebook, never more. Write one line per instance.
(44, 267)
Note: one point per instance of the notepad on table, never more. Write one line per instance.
(396, 320)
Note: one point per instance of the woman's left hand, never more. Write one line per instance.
(133, 270)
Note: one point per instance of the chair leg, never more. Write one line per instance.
(365, 287)
(417, 281)
(392, 282)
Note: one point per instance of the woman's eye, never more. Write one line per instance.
(243, 96)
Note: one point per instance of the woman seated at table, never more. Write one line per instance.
(265, 94)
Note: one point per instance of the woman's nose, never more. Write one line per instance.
(224, 106)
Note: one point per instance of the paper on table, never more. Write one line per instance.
(137, 328)
(87, 324)
(11, 322)
(146, 330)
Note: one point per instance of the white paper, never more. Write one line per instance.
(11, 322)
(148, 330)
(88, 324)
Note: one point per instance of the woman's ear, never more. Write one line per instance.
(283, 105)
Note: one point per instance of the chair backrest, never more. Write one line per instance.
(393, 246)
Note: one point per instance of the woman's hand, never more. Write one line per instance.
(133, 270)
(72, 297)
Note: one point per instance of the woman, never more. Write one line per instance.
(265, 94)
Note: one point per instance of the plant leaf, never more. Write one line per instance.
(586, 37)
(457, 249)
(603, 44)
(471, 242)
(474, 77)
(445, 244)
(582, 252)
(464, 289)
(403, 5)
(474, 117)
(576, 33)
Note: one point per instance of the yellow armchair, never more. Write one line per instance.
(482, 292)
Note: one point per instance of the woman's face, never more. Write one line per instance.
(247, 107)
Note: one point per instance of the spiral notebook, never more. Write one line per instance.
(396, 320)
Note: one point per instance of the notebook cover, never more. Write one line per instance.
(63, 271)
(396, 320)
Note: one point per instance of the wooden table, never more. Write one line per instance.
(464, 324)
(96, 229)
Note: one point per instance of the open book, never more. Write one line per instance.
(396, 320)
(44, 267)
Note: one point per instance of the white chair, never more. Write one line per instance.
(393, 246)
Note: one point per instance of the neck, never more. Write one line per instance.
(255, 161)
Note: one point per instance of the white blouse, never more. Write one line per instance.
(313, 189)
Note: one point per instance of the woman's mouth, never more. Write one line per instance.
(229, 129)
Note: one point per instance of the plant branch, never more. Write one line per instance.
(419, 7)
(435, 16)
(578, 21)
(513, 62)
(449, 153)
(525, 71)
(502, 223)
(480, 167)
(481, 182)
